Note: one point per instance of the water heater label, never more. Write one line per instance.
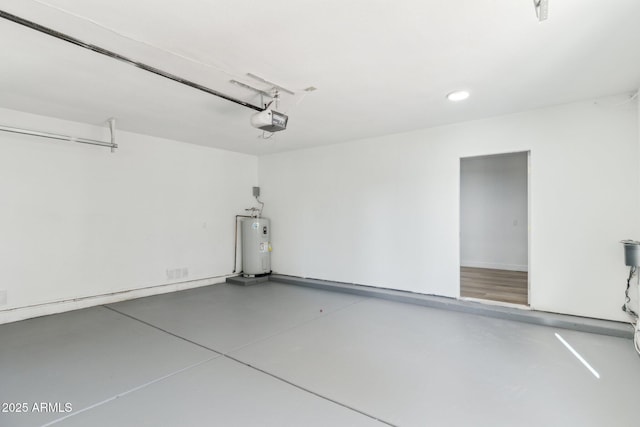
(254, 225)
(264, 246)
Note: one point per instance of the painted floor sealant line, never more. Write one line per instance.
(119, 395)
(163, 330)
(299, 387)
(583, 324)
(228, 356)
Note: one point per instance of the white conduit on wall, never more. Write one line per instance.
(111, 144)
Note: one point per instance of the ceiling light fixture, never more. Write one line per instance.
(458, 95)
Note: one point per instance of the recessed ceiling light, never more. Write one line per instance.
(458, 95)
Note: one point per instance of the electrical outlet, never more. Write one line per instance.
(177, 273)
(256, 191)
(3, 297)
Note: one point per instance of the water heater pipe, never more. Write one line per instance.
(261, 206)
(235, 242)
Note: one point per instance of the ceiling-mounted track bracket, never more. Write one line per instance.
(275, 86)
(110, 144)
(112, 128)
(542, 9)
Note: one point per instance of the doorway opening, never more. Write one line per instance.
(494, 228)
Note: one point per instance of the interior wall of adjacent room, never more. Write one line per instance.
(385, 211)
(635, 293)
(79, 221)
(493, 212)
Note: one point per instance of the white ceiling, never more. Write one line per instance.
(380, 66)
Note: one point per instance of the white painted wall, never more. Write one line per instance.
(82, 225)
(79, 222)
(493, 212)
(385, 211)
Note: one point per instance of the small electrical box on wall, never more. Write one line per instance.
(631, 253)
(256, 191)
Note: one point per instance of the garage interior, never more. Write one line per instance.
(137, 138)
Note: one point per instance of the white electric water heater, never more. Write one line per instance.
(256, 247)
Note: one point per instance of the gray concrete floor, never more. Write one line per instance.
(283, 355)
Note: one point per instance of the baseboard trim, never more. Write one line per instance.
(37, 310)
(495, 266)
(519, 314)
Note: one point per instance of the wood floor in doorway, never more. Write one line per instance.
(495, 285)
